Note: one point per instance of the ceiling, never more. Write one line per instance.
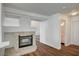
(46, 9)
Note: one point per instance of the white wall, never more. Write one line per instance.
(11, 22)
(1, 49)
(43, 27)
(36, 25)
(1, 32)
(50, 31)
(0, 24)
(67, 31)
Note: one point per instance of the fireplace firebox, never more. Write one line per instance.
(25, 41)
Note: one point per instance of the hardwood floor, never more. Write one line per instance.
(44, 50)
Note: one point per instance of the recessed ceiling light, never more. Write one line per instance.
(74, 13)
(62, 24)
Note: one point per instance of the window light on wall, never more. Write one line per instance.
(11, 22)
(62, 24)
(34, 24)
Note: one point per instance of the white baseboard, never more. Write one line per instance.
(51, 46)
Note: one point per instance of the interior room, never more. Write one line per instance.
(39, 29)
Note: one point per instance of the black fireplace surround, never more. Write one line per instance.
(25, 41)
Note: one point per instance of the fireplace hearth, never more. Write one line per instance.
(25, 41)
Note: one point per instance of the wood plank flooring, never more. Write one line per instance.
(44, 50)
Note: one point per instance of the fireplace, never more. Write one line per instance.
(25, 41)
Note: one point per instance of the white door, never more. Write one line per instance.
(75, 31)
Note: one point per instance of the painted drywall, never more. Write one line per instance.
(36, 25)
(12, 22)
(62, 30)
(50, 31)
(43, 27)
(0, 25)
(2, 44)
(67, 39)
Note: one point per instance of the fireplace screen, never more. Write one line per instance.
(25, 41)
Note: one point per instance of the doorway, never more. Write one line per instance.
(70, 31)
(63, 24)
